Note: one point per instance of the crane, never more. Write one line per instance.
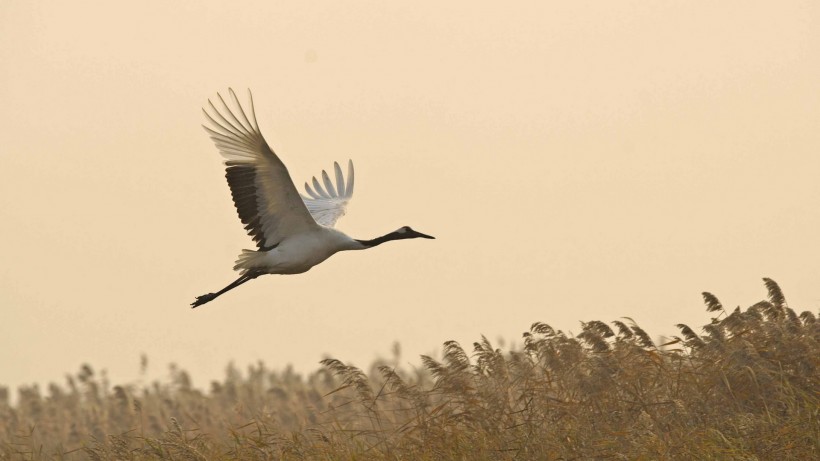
(293, 232)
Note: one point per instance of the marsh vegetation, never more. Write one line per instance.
(745, 386)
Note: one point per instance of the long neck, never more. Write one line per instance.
(379, 240)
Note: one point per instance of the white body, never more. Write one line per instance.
(298, 253)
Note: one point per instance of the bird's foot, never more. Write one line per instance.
(200, 300)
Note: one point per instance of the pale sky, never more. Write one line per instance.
(575, 160)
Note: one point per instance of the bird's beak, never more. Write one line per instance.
(419, 234)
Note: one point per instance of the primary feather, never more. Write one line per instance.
(266, 199)
(329, 204)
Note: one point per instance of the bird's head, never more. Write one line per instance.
(407, 232)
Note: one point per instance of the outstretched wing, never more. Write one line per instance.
(328, 205)
(265, 197)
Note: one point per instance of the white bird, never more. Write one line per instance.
(293, 232)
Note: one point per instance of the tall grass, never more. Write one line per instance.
(745, 386)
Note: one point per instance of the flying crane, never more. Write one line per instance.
(293, 232)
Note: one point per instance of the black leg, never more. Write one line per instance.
(200, 300)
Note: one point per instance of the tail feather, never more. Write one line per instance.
(249, 260)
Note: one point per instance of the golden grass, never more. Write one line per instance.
(746, 388)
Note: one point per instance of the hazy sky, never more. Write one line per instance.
(575, 160)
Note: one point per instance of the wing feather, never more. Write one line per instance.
(264, 194)
(340, 180)
(328, 204)
(310, 191)
(319, 189)
(349, 187)
(331, 190)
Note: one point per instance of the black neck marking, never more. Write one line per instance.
(379, 240)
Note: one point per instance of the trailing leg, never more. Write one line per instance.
(200, 300)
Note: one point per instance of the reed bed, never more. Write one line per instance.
(745, 386)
